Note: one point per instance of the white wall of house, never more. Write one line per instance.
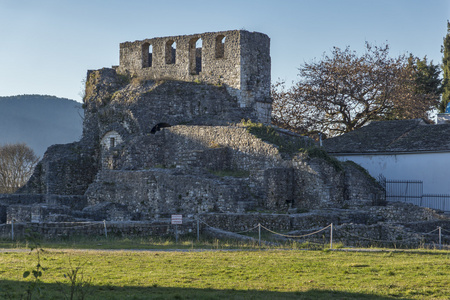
(431, 168)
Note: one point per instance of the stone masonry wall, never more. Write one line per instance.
(7, 200)
(248, 152)
(241, 63)
(135, 108)
(64, 170)
(189, 154)
(362, 190)
(159, 192)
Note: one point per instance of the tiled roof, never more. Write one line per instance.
(392, 136)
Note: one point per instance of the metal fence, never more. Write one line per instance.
(411, 191)
(436, 201)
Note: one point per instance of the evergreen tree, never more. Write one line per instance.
(446, 68)
(427, 81)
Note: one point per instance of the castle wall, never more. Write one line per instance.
(161, 192)
(275, 183)
(241, 63)
(64, 170)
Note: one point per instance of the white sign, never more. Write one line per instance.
(35, 218)
(177, 219)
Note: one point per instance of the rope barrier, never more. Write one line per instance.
(71, 227)
(442, 229)
(431, 231)
(80, 226)
(295, 236)
(280, 234)
(380, 241)
(344, 231)
(238, 232)
(367, 239)
(247, 230)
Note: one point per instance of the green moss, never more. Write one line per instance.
(290, 145)
(270, 135)
(316, 152)
(123, 79)
(214, 145)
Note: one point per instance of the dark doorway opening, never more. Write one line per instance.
(158, 127)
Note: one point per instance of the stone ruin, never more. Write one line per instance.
(239, 60)
(163, 134)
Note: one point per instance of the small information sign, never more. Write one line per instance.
(177, 219)
(35, 218)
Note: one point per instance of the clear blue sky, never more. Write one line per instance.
(48, 45)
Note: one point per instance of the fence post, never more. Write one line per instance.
(331, 236)
(440, 245)
(198, 230)
(12, 229)
(259, 235)
(106, 232)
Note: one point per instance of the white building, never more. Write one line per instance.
(399, 150)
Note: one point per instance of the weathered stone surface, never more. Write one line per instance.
(163, 135)
(37, 213)
(160, 192)
(241, 63)
(64, 170)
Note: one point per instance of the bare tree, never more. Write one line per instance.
(344, 91)
(17, 162)
(287, 111)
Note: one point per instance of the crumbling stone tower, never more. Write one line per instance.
(237, 59)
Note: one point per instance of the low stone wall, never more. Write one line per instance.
(25, 199)
(398, 224)
(52, 230)
(157, 192)
(405, 212)
(13, 199)
(242, 222)
(39, 207)
(36, 213)
(74, 202)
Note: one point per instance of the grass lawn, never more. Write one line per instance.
(267, 274)
(163, 243)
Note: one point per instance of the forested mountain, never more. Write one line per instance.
(39, 121)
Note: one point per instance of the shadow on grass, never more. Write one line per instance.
(17, 290)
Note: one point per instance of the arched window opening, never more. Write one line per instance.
(195, 56)
(111, 139)
(220, 46)
(147, 56)
(171, 50)
(158, 127)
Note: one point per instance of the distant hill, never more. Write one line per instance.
(39, 121)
